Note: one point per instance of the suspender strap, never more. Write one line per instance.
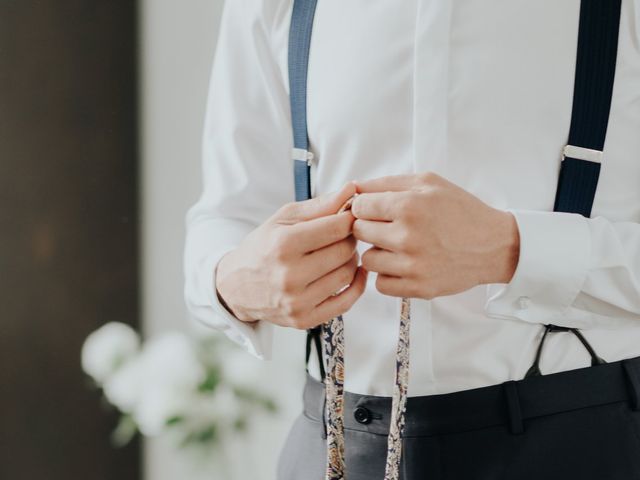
(299, 44)
(534, 370)
(593, 87)
(314, 334)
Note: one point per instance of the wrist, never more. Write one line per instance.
(233, 310)
(502, 264)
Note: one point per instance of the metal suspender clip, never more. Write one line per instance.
(581, 153)
(302, 155)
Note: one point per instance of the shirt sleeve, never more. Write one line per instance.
(572, 271)
(246, 167)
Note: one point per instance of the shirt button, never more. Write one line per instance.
(362, 415)
(524, 302)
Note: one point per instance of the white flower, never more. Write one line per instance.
(157, 405)
(124, 388)
(242, 369)
(225, 404)
(170, 376)
(220, 406)
(108, 348)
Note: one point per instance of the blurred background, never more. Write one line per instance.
(101, 113)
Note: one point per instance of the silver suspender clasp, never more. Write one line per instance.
(581, 153)
(303, 155)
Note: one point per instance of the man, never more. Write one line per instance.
(448, 119)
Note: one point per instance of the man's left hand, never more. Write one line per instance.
(432, 238)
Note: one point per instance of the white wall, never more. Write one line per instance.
(177, 46)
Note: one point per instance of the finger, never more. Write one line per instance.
(320, 206)
(394, 183)
(332, 282)
(338, 304)
(320, 262)
(317, 233)
(384, 262)
(380, 234)
(375, 206)
(392, 286)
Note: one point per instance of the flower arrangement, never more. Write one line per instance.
(198, 391)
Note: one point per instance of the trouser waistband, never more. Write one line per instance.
(508, 403)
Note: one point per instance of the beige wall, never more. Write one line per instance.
(177, 46)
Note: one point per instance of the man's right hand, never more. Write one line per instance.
(288, 269)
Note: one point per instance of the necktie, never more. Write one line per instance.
(333, 346)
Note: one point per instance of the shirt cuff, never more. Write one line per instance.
(256, 338)
(555, 249)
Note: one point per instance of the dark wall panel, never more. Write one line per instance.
(68, 228)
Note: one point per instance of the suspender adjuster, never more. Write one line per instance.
(302, 155)
(581, 153)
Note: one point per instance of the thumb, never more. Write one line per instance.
(320, 206)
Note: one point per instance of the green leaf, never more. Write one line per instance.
(240, 424)
(174, 420)
(206, 435)
(211, 381)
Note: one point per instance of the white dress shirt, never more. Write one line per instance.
(478, 91)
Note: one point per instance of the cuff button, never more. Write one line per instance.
(524, 302)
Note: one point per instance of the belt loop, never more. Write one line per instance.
(632, 371)
(513, 407)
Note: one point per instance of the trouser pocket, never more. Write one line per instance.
(303, 454)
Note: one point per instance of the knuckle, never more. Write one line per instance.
(352, 242)
(297, 322)
(355, 228)
(344, 303)
(288, 209)
(288, 282)
(427, 177)
(337, 230)
(412, 291)
(293, 309)
(345, 250)
(403, 238)
(356, 206)
(280, 244)
(407, 268)
(405, 203)
(285, 281)
(382, 286)
(427, 292)
(345, 275)
(366, 260)
(313, 320)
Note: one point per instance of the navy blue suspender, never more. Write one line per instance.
(593, 87)
(581, 158)
(595, 71)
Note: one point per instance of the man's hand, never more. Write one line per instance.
(288, 269)
(432, 238)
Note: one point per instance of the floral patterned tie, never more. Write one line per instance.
(333, 340)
